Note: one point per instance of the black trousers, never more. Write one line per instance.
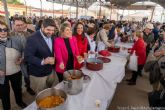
(60, 76)
(137, 73)
(27, 81)
(16, 83)
(25, 66)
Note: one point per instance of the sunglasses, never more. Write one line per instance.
(3, 30)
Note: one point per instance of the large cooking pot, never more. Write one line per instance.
(115, 49)
(73, 81)
(94, 64)
(124, 39)
(52, 92)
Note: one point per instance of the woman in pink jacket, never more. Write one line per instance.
(66, 51)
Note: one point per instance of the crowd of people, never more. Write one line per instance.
(40, 48)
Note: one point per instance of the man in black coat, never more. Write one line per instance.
(39, 54)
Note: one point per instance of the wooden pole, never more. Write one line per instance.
(117, 14)
(62, 8)
(70, 11)
(152, 15)
(41, 8)
(53, 8)
(100, 11)
(111, 12)
(76, 9)
(6, 12)
(163, 12)
(26, 7)
(30, 10)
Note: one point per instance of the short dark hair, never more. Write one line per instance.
(21, 18)
(48, 22)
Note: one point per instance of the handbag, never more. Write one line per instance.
(133, 62)
(50, 79)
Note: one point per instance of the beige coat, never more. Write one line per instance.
(102, 36)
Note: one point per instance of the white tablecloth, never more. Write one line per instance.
(126, 45)
(101, 87)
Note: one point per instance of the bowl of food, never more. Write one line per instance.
(51, 99)
(94, 64)
(114, 49)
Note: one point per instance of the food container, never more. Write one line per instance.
(94, 64)
(124, 39)
(73, 81)
(51, 92)
(115, 49)
(104, 59)
(105, 53)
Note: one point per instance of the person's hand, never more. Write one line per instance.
(19, 61)
(85, 55)
(112, 44)
(129, 50)
(156, 44)
(2, 73)
(163, 52)
(145, 43)
(91, 52)
(46, 61)
(62, 66)
(80, 59)
(157, 53)
(49, 60)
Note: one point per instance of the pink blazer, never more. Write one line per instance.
(61, 53)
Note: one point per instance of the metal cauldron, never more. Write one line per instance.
(94, 64)
(52, 92)
(73, 81)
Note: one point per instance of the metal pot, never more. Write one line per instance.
(94, 64)
(73, 85)
(52, 92)
(114, 49)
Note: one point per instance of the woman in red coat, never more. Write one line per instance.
(82, 41)
(139, 48)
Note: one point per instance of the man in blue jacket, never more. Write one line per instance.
(40, 56)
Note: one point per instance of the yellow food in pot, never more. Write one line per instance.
(50, 101)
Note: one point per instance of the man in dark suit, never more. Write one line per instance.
(39, 54)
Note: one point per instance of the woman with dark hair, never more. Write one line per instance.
(82, 41)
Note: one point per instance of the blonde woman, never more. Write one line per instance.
(139, 48)
(102, 38)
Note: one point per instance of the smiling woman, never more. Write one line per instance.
(10, 49)
(81, 39)
(3, 31)
(66, 51)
